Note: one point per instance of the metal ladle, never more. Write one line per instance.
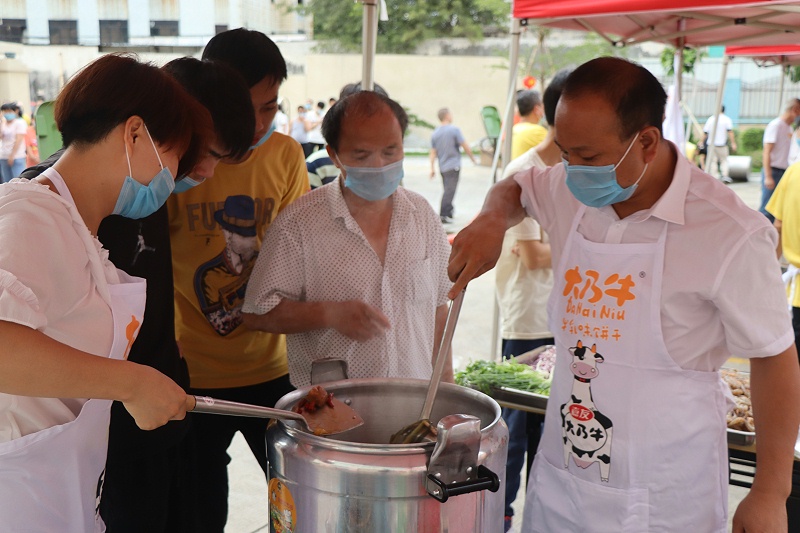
(322, 422)
(422, 429)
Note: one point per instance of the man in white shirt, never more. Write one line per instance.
(660, 274)
(718, 149)
(777, 142)
(357, 268)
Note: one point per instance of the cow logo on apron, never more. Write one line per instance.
(587, 431)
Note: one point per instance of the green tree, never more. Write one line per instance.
(338, 23)
(690, 57)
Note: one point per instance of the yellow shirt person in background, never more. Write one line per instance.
(527, 133)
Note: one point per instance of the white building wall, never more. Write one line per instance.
(37, 16)
(112, 10)
(196, 18)
(138, 20)
(88, 23)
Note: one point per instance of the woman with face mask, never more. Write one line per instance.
(12, 142)
(67, 317)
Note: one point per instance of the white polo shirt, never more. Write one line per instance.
(722, 292)
(315, 251)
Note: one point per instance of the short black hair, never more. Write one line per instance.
(553, 93)
(251, 53)
(225, 94)
(361, 103)
(632, 91)
(527, 100)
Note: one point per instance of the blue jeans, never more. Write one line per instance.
(9, 172)
(520, 424)
(766, 194)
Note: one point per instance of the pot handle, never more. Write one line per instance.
(441, 491)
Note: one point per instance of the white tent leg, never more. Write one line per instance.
(369, 41)
(717, 109)
(504, 146)
(784, 72)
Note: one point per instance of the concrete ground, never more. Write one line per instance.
(248, 511)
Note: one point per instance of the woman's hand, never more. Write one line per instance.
(156, 399)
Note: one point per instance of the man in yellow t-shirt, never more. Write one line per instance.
(527, 133)
(216, 230)
(783, 206)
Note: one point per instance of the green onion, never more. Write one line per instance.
(485, 375)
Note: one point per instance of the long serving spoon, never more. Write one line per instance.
(422, 429)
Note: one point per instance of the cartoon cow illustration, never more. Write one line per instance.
(586, 431)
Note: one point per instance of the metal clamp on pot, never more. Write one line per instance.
(453, 467)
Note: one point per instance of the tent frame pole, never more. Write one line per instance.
(369, 40)
(717, 109)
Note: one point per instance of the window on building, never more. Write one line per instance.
(63, 31)
(113, 32)
(219, 28)
(11, 30)
(163, 28)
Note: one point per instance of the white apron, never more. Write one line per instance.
(49, 479)
(632, 443)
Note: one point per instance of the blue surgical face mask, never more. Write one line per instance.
(266, 136)
(371, 183)
(598, 186)
(185, 183)
(139, 201)
(10, 116)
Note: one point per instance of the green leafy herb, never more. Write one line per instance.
(483, 375)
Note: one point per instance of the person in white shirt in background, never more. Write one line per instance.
(777, 142)
(358, 267)
(12, 142)
(524, 279)
(281, 121)
(718, 151)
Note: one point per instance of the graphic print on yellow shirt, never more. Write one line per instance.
(220, 283)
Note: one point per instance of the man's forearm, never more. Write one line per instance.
(289, 316)
(775, 393)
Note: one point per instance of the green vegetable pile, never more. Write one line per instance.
(484, 375)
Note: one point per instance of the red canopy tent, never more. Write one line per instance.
(696, 22)
(788, 54)
(680, 23)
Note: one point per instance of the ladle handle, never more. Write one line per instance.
(441, 354)
(204, 404)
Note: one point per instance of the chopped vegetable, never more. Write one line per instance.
(485, 375)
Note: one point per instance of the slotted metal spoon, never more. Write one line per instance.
(422, 429)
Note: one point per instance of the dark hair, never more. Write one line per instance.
(110, 90)
(11, 106)
(553, 93)
(352, 88)
(631, 90)
(251, 53)
(224, 93)
(527, 100)
(362, 103)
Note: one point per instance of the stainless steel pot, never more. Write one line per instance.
(359, 483)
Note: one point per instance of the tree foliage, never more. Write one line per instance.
(411, 22)
(690, 57)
